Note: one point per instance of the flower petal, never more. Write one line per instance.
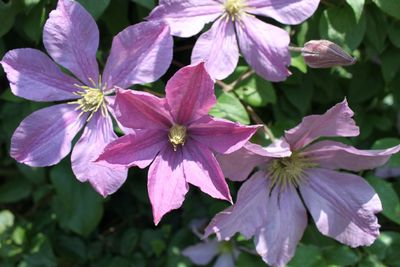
(238, 165)
(268, 54)
(44, 137)
(71, 37)
(138, 148)
(218, 48)
(202, 170)
(343, 206)
(277, 239)
(221, 135)
(97, 134)
(247, 214)
(335, 155)
(190, 94)
(166, 183)
(186, 18)
(337, 121)
(149, 111)
(202, 253)
(34, 76)
(139, 54)
(284, 11)
(110, 100)
(225, 260)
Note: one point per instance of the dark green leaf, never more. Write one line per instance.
(77, 206)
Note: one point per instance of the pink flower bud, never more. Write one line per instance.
(325, 54)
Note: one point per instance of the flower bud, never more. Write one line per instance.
(325, 54)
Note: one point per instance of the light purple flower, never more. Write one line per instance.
(264, 46)
(179, 135)
(268, 205)
(204, 252)
(139, 54)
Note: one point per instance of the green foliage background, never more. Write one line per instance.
(48, 218)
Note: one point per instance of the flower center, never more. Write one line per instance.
(234, 7)
(289, 170)
(92, 99)
(177, 135)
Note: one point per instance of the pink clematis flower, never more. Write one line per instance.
(139, 54)
(179, 135)
(269, 207)
(264, 46)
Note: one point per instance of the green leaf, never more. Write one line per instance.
(394, 33)
(230, 108)
(77, 206)
(341, 256)
(339, 25)
(357, 6)
(41, 254)
(299, 63)
(256, 91)
(388, 143)
(14, 190)
(377, 29)
(391, 7)
(6, 220)
(306, 256)
(245, 260)
(7, 15)
(390, 64)
(95, 8)
(149, 4)
(387, 194)
(34, 22)
(305, 89)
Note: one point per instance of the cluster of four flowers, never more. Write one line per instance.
(176, 136)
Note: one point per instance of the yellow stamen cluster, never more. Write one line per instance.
(177, 136)
(91, 99)
(234, 7)
(289, 170)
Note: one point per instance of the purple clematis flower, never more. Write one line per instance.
(264, 46)
(179, 135)
(203, 253)
(139, 54)
(269, 207)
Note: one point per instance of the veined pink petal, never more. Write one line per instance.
(267, 53)
(44, 137)
(187, 17)
(97, 134)
(34, 76)
(277, 239)
(202, 253)
(335, 155)
(278, 149)
(139, 54)
(218, 48)
(166, 183)
(248, 213)
(337, 121)
(190, 94)
(141, 110)
(202, 170)
(138, 148)
(221, 135)
(238, 165)
(110, 100)
(343, 206)
(284, 11)
(71, 37)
